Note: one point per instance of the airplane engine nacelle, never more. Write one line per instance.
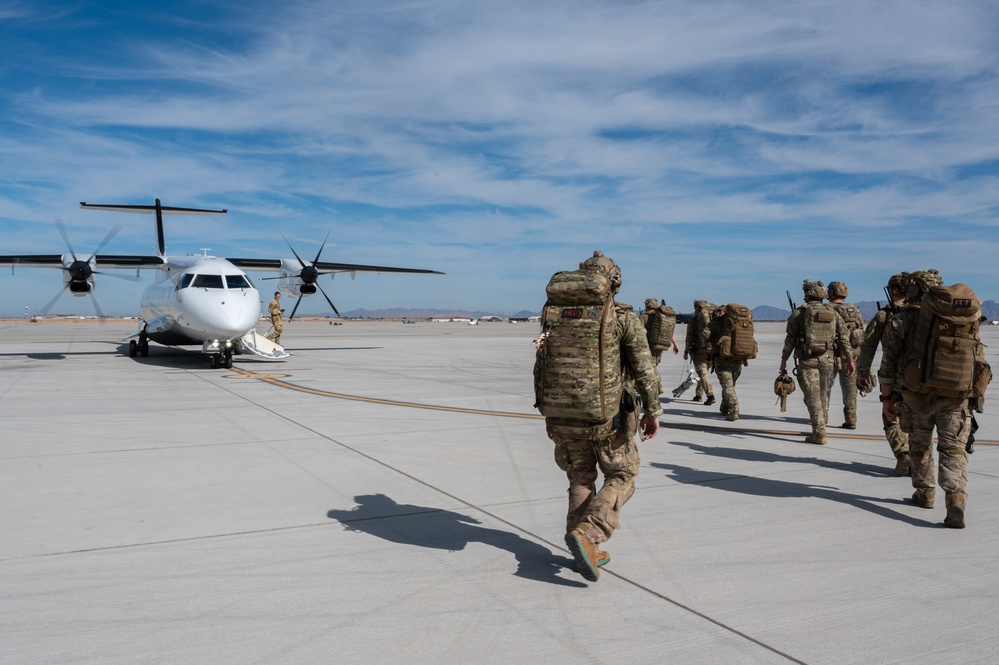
(78, 275)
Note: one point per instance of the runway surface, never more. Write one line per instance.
(388, 494)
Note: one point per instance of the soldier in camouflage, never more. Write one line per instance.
(696, 348)
(918, 413)
(581, 449)
(651, 304)
(815, 368)
(728, 370)
(855, 328)
(877, 330)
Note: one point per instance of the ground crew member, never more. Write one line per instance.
(855, 329)
(274, 309)
(874, 335)
(583, 448)
(815, 332)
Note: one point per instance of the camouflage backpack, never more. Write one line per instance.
(818, 329)
(854, 322)
(737, 339)
(944, 354)
(701, 334)
(577, 372)
(660, 328)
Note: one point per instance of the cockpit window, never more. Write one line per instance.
(185, 281)
(208, 282)
(237, 282)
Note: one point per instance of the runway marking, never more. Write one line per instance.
(278, 380)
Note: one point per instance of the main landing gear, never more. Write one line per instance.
(140, 347)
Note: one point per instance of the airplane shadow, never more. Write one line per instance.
(782, 489)
(380, 516)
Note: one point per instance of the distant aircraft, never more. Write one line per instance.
(195, 299)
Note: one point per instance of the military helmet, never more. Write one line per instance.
(605, 265)
(813, 290)
(651, 303)
(900, 280)
(838, 290)
(920, 282)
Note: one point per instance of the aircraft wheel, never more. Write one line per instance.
(227, 361)
(133, 349)
(215, 361)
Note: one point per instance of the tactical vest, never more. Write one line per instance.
(818, 329)
(660, 328)
(943, 354)
(578, 374)
(737, 338)
(854, 322)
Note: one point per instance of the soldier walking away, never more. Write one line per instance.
(592, 355)
(933, 374)
(855, 329)
(814, 333)
(697, 349)
(733, 345)
(274, 309)
(874, 335)
(659, 321)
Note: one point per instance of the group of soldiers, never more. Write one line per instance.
(828, 341)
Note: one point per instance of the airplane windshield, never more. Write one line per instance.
(237, 282)
(208, 282)
(185, 281)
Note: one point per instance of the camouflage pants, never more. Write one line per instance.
(728, 372)
(275, 335)
(657, 357)
(898, 440)
(848, 387)
(580, 452)
(918, 415)
(815, 377)
(702, 365)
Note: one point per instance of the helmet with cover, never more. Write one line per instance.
(813, 290)
(838, 290)
(605, 265)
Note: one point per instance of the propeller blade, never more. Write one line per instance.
(320, 252)
(328, 299)
(111, 234)
(294, 309)
(97, 308)
(50, 304)
(300, 261)
(65, 236)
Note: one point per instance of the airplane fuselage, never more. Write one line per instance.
(199, 299)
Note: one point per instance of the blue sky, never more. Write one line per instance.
(717, 150)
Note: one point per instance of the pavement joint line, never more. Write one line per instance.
(278, 380)
(484, 511)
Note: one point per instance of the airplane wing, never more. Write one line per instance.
(101, 261)
(277, 265)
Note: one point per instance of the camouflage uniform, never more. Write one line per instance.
(874, 334)
(274, 309)
(657, 355)
(815, 372)
(919, 413)
(727, 370)
(695, 346)
(847, 382)
(581, 448)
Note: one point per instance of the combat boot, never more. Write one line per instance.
(850, 420)
(584, 551)
(924, 499)
(733, 414)
(955, 510)
(903, 465)
(849, 425)
(818, 438)
(697, 398)
(603, 558)
(710, 400)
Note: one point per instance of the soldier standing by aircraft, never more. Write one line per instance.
(815, 332)
(874, 335)
(274, 309)
(591, 355)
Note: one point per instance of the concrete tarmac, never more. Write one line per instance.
(388, 495)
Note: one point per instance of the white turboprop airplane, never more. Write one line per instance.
(196, 299)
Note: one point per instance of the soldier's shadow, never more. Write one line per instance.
(782, 489)
(712, 413)
(380, 516)
(756, 455)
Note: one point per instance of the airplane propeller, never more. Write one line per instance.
(309, 276)
(81, 270)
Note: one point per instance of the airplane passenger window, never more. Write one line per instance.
(185, 281)
(237, 282)
(208, 282)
